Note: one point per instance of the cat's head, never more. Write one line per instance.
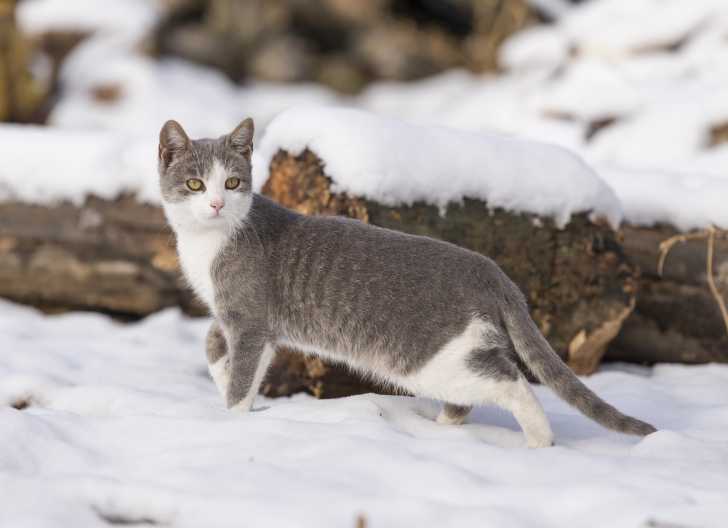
(205, 183)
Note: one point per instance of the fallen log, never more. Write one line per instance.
(118, 257)
(673, 318)
(114, 256)
(676, 318)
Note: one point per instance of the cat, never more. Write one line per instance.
(420, 314)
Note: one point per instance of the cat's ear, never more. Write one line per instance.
(173, 141)
(241, 139)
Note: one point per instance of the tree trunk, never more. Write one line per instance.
(20, 95)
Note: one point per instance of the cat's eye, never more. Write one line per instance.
(232, 183)
(193, 184)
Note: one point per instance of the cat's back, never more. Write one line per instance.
(331, 252)
(385, 248)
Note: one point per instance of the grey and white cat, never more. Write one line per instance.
(417, 313)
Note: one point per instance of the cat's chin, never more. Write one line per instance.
(215, 222)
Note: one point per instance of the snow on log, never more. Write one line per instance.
(394, 162)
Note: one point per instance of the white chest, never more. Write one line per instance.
(197, 251)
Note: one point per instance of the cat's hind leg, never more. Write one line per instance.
(505, 386)
(452, 414)
(519, 398)
(218, 361)
(479, 367)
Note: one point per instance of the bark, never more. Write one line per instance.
(21, 96)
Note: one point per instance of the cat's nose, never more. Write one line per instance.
(217, 204)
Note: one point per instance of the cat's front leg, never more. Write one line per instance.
(218, 360)
(250, 355)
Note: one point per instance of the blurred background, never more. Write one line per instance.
(637, 88)
(343, 45)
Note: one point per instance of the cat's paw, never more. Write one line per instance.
(535, 441)
(243, 406)
(220, 373)
(445, 418)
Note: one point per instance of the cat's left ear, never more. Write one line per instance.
(241, 139)
(173, 141)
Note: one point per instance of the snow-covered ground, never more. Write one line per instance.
(120, 424)
(656, 68)
(124, 424)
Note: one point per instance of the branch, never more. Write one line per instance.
(708, 234)
(711, 281)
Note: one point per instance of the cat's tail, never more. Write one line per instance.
(532, 347)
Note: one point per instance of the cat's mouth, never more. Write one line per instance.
(212, 219)
(215, 218)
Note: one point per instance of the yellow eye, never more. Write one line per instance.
(232, 183)
(193, 184)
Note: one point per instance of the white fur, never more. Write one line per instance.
(220, 374)
(215, 182)
(197, 251)
(445, 377)
(528, 412)
(202, 233)
(379, 369)
(448, 378)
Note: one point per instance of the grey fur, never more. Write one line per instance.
(369, 295)
(494, 363)
(496, 359)
(215, 343)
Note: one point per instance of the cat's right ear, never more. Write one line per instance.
(173, 141)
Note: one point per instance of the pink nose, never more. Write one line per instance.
(217, 204)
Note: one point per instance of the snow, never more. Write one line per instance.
(648, 196)
(394, 162)
(553, 8)
(537, 46)
(129, 16)
(125, 423)
(653, 70)
(617, 96)
(615, 28)
(47, 165)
